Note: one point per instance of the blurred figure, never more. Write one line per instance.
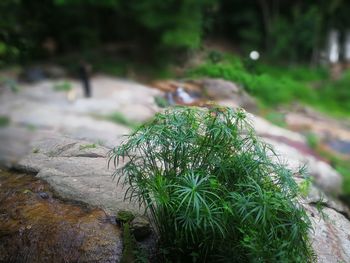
(84, 75)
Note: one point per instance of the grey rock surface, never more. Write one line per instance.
(57, 137)
(331, 235)
(77, 170)
(220, 89)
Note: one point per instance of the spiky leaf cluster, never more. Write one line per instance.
(212, 190)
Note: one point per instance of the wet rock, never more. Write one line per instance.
(141, 227)
(15, 144)
(41, 230)
(340, 146)
(170, 86)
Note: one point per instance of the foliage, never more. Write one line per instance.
(129, 243)
(63, 86)
(302, 31)
(276, 118)
(10, 83)
(120, 118)
(312, 140)
(338, 91)
(161, 101)
(212, 190)
(272, 26)
(275, 85)
(269, 89)
(4, 121)
(132, 253)
(304, 186)
(87, 146)
(125, 216)
(341, 164)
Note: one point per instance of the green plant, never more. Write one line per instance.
(269, 89)
(276, 118)
(305, 185)
(35, 150)
(4, 121)
(211, 189)
(161, 102)
(87, 146)
(31, 127)
(312, 140)
(120, 118)
(342, 165)
(63, 86)
(129, 243)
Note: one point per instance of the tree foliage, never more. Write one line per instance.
(270, 25)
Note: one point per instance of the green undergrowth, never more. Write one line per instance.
(4, 121)
(132, 253)
(275, 85)
(276, 118)
(120, 118)
(340, 163)
(211, 189)
(161, 102)
(64, 86)
(87, 146)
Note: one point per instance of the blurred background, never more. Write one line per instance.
(95, 69)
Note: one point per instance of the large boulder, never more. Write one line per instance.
(223, 90)
(77, 170)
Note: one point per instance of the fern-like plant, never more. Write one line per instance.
(211, 189)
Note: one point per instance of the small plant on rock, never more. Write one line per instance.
(211, 189)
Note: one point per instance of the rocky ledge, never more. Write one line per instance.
(67, 147)
(77, 170)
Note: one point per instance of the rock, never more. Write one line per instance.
(48, 230)
(141, 227)
(315, 122)
(325, 176)
(266, 129)
(219, 89)
(74, 177)
(292, 149)
(171, 86)
(60, 142)
(32, 74)
(316, 197)
(43, 195)
(54, 71)
(15, 144)
(57, 146)
(330, 236)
